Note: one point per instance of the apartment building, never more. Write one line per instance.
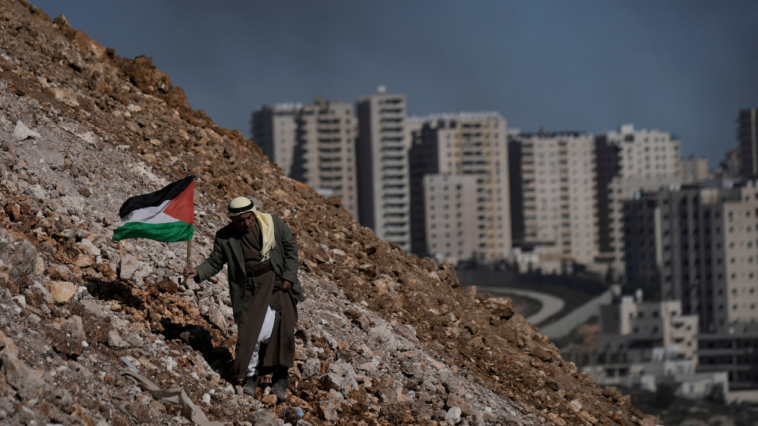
(275, 131)
(635, 154)
(471, 150)
(747, 136)
(382, 164)
(699, 245)
(694, 170)
(312, 143)
(450, 212)
(621, 189)
(553, 193)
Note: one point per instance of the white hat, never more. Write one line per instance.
(239, 206)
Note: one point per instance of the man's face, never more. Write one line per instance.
(244, 222)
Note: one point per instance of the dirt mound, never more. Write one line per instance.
(384, 338)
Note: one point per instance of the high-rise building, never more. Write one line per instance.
(471, 150)
(639, 156)
(450, 210)
(275, 131)
(553, 202)
(313, 144)
(747, 135)
(621, 189)
(694, 170)
(698, 245)
(382, 164)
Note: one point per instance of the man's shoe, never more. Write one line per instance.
(249, 385)
(279, 387)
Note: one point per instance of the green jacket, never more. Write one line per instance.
(228, 249)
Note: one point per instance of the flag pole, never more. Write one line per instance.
(189, 251)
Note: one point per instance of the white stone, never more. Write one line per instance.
(21, 132)
(453, 416)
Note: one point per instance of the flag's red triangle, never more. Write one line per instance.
(183, 206)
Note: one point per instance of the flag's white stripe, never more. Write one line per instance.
(150, 215)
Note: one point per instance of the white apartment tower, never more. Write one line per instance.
(382, 164)
(466, 150)
(313, 144)
(629, 160)
(553, 202)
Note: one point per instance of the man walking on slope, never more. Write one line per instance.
(264, 289)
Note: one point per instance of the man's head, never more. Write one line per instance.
(242, 213)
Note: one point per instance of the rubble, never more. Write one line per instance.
(383, 338)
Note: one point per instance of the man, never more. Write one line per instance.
(263, 286)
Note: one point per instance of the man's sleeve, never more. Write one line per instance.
(289, 251)
(213, 264)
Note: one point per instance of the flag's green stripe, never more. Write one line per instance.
(166, 232)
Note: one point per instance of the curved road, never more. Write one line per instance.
(551, 305)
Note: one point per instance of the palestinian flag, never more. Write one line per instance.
(166, 215)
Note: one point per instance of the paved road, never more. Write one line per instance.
(551, 305)
(578, 316)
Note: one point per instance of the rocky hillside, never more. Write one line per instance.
(95, 332)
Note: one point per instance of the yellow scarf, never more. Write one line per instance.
(266, 222)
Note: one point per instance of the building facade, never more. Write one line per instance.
(450, 217)
(313, 144)
(471, 148)
(629, 153)
(382, 165)
(747, 136)
(698, 245)
(553, 194)
(621, 189)
(694, 170)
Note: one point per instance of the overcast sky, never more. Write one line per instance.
(686, 67)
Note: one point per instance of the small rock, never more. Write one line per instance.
(21, 132)
(133, 339)
(28, 384)
(264, 418)
(74, 327)
(129, 265)
(268, 401)
(311, 368)
(327, 412)
(335, 396)
(62, 291)
(453, 416)
(217, 318)
(36, 192)
(115, 341)
(333, 381)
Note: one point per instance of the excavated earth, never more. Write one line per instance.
(383, 338)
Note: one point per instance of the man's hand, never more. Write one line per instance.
(189, 273)
(286, 285)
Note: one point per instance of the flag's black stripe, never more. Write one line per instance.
(170, 192)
